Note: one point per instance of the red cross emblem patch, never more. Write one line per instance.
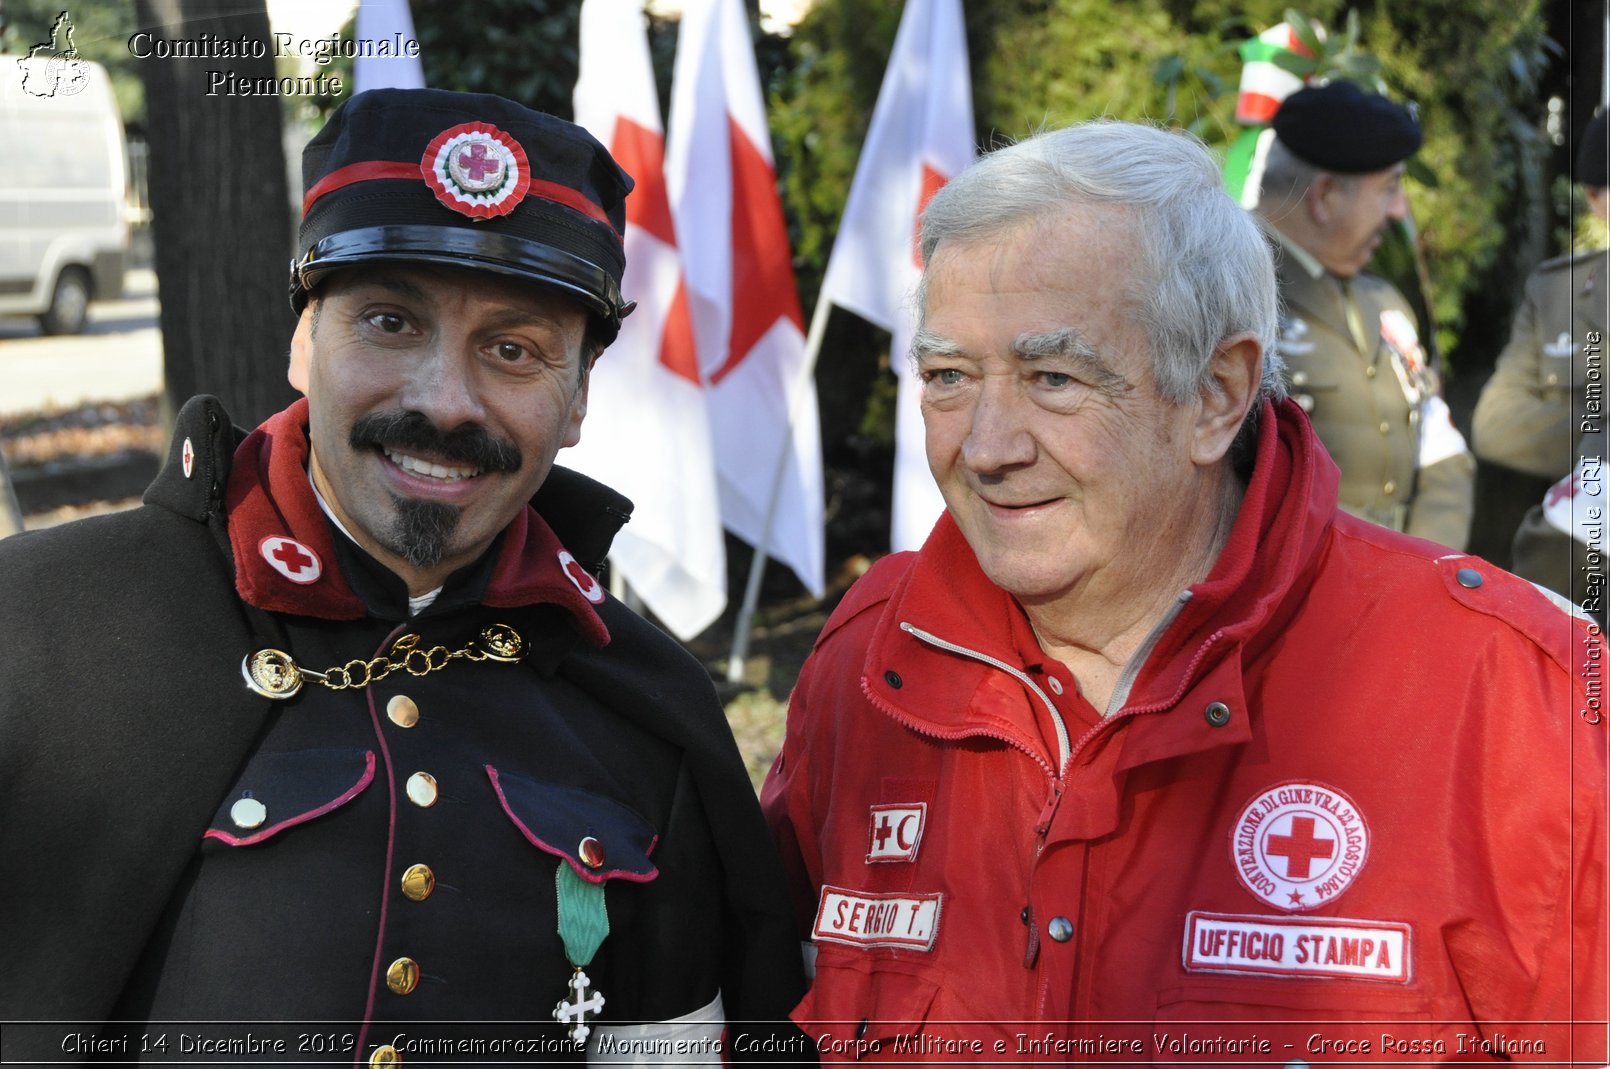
(1297, 846)
(291, 559)
(477, 170)
(896, 832)
(581, 578)
(187, 458)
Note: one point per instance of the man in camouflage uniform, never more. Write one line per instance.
(1332, 182)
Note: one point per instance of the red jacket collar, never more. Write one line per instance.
(284, 546)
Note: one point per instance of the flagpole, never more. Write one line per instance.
(757, 566)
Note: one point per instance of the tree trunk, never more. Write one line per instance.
(221, 212)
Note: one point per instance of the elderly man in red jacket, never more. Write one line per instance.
(1150, 752)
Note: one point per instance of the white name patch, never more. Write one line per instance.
(1270, 946)
(896, 832)
(877, 920)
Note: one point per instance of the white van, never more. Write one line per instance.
(64, 233)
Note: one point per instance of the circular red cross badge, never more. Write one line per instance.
(477, 170)
(581, 578)
(1297, 846)
(292, 559)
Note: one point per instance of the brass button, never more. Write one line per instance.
(1369, 372)
(402, 711)
(1389, 488)
(385, 1055)
(1060, 929)
(248, 813)
(421, 788)
(591, 852)
(1386, 428)
(403, 976)
(418, 882)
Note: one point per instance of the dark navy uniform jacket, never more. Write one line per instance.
(377, 857)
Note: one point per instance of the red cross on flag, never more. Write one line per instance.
(647, 431)
(740, 276)
(921, 136)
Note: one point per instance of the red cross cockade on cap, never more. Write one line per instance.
(477, 170)
(590, 588)
(291, 559)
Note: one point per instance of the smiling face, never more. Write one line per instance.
(437, 399)
(1071, 478)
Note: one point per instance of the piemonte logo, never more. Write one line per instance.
(53, 68)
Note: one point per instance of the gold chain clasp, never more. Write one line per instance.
(275, 674)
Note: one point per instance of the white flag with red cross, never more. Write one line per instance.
(740, 276)
(647, 431)
(921, 136)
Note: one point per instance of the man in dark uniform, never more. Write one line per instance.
(340, 726)
(1332, 182)
(1531, 411)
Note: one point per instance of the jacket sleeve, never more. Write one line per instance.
(786, 800)
(1514, 424)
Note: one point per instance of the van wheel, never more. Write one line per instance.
(69, 304)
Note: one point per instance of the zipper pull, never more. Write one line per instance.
(1043, 827)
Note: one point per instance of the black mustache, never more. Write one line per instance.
(471, 446)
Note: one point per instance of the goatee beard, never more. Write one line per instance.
(423, 530)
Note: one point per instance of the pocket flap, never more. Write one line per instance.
(281, 790)
(600, 838)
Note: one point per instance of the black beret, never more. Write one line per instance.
(1591, 163)
(469, 179)
(1340, 128)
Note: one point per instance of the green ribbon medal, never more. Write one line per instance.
(583, 924)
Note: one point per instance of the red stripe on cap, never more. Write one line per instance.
(358, 172)
(570, 198)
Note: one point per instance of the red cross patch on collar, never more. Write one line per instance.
(583, 580)
(477, 170)
(291, 559)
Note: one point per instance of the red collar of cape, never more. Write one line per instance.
(270, 498)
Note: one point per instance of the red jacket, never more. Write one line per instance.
(1352, 805)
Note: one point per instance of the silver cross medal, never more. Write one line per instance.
(575, 1011)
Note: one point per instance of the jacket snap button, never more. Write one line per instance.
(1024, 916)
(1218, 714)
(893, 679)
(1469, 578)
(385, 1057)
(1060, 929)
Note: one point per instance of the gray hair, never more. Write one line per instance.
(1287, 178)
(1203, 268)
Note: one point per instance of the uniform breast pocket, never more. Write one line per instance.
(1281, 1022)
(280, 791)
(601, 838)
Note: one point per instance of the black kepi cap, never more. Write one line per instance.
(1340, 128)
(467, 179)
(1591, 162)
